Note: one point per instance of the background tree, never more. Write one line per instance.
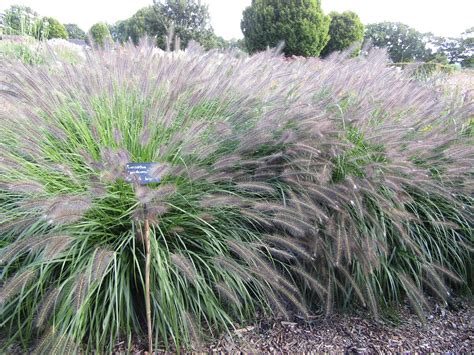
(53, 28)
(100, 33)
(467, 45)
(74, 31)
(135, 27)
(453, 50)
(21, 20)
(184, 19)
(301, 24)
(403, 43)
(344, 30)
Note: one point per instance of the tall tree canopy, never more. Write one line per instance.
(100, 33)
(300, 23)
(21, 20)
(135, 27)
(168, 20)
(403, 43)
(183, 19)
(53, 28)
(458, 50)
(344, 30)
(74, 31)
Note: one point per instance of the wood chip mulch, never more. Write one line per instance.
(446, 330)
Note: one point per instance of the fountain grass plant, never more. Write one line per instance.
(286, 188)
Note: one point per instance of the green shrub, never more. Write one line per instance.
(281, 192)
(21, 21)
(100, 34)
(74, 31)
(302, 25)
(54, 28)
(345, 30)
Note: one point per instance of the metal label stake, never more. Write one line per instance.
(142, 173)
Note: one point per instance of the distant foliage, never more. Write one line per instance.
(345, 29)
(22, 20)
(134, 28)
(456, 50)
(302, 25)
(100, 34)
(53, 28)
(182, 21)
(75, 32)
(403, 43)
(171, 22)
(288, 188)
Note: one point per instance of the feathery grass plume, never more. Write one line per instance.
(435, 283)
(280, 285)
(215, 200)
(415, 295)
(64, 345)
(56, 246)
(246, 252)
(290, 244)
(228, 294)
(27, 187)
(374, 308)
(257, 187)
(15, 284)
(277, 304)
(44, 344)
(233, 268)
(46, 308)
(160, 170)
(100, 262)
(29, 244)
(192, 330)
(330, 295)
(80, 289)
(257, 219)
(289, 226)
(446, 272)
(353, 283)
(312, 281)
(66, 209)
(185, 266)
(14, 250)
(144, 194)
(280, 254)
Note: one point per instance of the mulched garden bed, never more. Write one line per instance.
(447, 330)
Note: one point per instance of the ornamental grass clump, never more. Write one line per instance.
(287, 188)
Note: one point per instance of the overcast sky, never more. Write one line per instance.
(445, 18)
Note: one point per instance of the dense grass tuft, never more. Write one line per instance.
(300, 186)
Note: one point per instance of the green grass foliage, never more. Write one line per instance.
(286, 188)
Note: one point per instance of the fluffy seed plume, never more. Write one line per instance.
(257, 187)
(46, 307)
(81, 286)
(185, 266)
(193, 331)
(228, 294)
(66, 209)
(26, 187)
(14, 285)
(101, 261)
(56, 246)
(290, 244)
